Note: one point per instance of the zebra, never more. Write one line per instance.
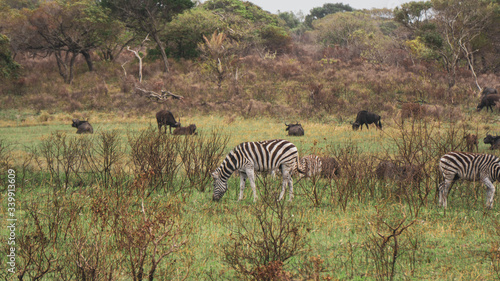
(260, 156)
(468, 166)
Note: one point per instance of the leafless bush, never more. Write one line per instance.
(154, 155)
(355, 180)
(103, 154)
(41, 242)
(200, 157)
(261, 243)
(385, 254)
(148, 235)
(5, 155)
(60, 156)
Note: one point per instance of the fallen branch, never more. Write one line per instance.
(163, 97)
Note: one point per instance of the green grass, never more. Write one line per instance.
(456, 244)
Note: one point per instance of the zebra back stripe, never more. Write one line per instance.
(469, 166)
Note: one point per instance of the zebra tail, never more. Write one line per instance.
(300, 168)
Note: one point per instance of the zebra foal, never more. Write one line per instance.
(471, 167)
(251, 157)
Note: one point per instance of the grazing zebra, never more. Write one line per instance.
(251, 157)
(468, 166)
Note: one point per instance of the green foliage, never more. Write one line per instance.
(413, 14)
(247, 10)
(291, 20)
(186, 31)
(339, 28)
(275, 38)
(326, 9)
(8, 67)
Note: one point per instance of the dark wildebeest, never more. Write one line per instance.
(494, 141)
(189, 130)
(166, 118)
(397, 171)
(83, 127)
(365, 117)
(489, 91)
(489, 101)
(470, 142)
(294, 129)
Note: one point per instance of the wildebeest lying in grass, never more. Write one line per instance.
(166, 118)
(366, 117)
(294, 129)
(189, 130)
(489, 101)
(494, 141)
(83, 127)
(470, 142)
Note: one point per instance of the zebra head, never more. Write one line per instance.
(220, 186)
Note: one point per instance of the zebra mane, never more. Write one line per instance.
(228, 166)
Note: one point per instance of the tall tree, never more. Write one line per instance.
(460, 22)
(63, 29)
(148, 17)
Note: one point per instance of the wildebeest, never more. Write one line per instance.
(366, 117)
(189, 130)
(398, 171)
(166, 118)
(83, 127)
(489, 101)
(489, 91)
(494, 141)
(329, 167)
(470, 142)
(294, 129)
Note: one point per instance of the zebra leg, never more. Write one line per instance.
(251, 177)
(490, 192)
(444, 187)
(287, 180)
(243, 177)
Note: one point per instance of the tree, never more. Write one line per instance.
(326, 9)
(413, 14)
(8, 67)
(63, 29)
(218, 55)
(460, 22)
(291, 20)
(148, 17)
(186, 31)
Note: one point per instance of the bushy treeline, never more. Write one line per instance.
(226, 54)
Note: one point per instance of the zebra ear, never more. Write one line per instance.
(215, 175)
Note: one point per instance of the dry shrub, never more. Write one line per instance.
(154, 158)
(200, 156)
(411, 110)
(41, 102)
(264, 238)
(355, 181)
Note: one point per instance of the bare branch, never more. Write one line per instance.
(160, 98)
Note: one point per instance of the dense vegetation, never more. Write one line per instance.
(127, 203)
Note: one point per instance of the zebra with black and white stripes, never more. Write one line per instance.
(471, 167)
(261, 156)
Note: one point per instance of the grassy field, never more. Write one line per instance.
(353, 227)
